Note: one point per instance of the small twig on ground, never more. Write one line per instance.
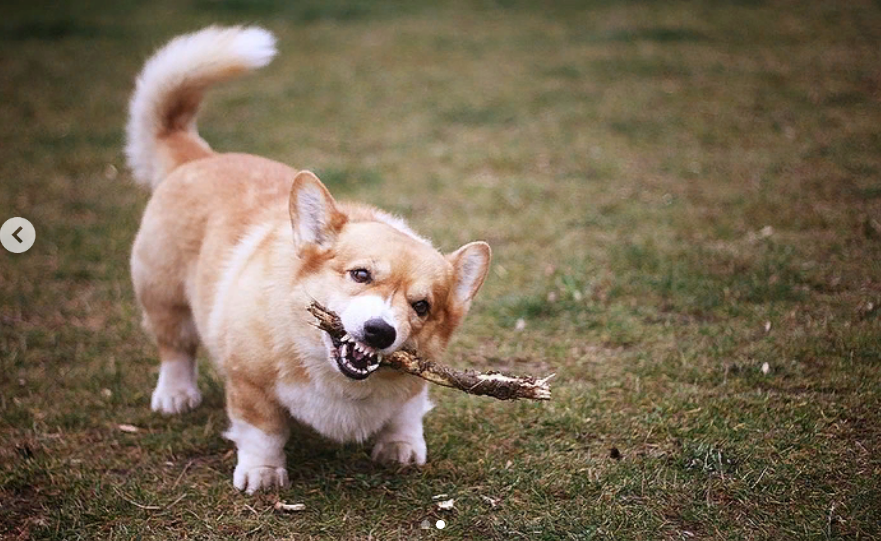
(139, 505)
(289, 507)
(175, 502)
(251, 509)
(494, 384)
(184, 471)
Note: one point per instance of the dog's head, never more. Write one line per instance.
(389, 286)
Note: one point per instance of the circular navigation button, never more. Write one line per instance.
(17, 235)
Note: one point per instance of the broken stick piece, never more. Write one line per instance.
(289, 507)
(494, 384)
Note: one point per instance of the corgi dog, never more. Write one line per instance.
(231, 250)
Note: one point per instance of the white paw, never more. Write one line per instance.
(258, 478)
(401, 449)
(261, 460)
(171, 399)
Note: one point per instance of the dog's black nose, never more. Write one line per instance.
(378, 334)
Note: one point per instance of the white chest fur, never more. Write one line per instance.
(335, 416)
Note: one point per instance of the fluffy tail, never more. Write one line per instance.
(161, 132)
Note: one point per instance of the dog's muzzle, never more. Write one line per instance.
(355, 360)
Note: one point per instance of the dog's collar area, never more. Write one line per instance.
(355, 360)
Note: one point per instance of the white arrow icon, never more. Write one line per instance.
(17, 235)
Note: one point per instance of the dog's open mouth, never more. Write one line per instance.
(355, 360)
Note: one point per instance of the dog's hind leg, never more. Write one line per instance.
(167, 317)
(176, 390)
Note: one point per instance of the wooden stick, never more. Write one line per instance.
(494, 384)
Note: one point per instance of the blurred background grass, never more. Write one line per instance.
(684, 204)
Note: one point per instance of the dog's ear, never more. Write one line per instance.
(314, 215)
(471, 264)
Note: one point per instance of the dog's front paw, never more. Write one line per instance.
(261, 460)
(171, 399)
(258, 478)
(401, 450)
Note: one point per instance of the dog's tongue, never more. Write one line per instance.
(358, 359)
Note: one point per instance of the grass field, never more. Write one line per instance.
(684, 203)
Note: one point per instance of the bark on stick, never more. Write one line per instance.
(494, 384)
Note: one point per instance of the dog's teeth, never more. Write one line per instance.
(372, 367)
(347, 338)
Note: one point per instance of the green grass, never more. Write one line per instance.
(683, 203)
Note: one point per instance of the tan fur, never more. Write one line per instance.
(201, 210)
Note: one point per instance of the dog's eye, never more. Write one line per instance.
(362, 276)
(421, 308)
